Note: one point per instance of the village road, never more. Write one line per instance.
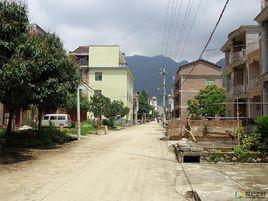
(127, 165)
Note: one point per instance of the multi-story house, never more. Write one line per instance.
(190, 79)
(262, 19)
(80, 56)
(241, 73)
(107, 73)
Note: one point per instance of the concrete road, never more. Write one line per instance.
(127, 165)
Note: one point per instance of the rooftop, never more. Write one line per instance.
(81, 50)
(198, 61)
(240, 31)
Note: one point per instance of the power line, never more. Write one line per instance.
(210, 37)
(173, 37)
(138, 27)
(191, 28)
(166, 28)
(180, 35)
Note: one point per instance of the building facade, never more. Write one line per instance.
(106, 72)
(242, 72)
(81, 56)
(262, 19)
(153, 102)
(202, 73)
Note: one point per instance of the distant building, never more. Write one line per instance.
(203, 73)
(153, 102)
(242, 72)
(105, 69)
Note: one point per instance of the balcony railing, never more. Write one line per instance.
(253, 84)
(237, 56)
(252, 47)
(264, 3)
(239, 89)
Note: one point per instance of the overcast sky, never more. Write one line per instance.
(139, 25)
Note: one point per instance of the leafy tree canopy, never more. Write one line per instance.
(14, 24)
(208, 102)
(71, 103)
(98, 104)
(144, 106)
(116, 110)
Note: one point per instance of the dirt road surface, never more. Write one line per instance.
(127, 165)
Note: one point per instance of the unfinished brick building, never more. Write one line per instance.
(204, 73)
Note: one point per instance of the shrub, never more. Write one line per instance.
(107, 122)
(262, 129)
(37, 138)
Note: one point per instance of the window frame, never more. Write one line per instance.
(207, 81)
(98, 76)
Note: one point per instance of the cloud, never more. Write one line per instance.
(84, 22)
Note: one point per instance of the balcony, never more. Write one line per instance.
(252, 47)
(253, 84)
(237, 58)
(239, 90)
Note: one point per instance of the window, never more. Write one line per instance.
(53, 117)
(98, 76)
(210, 82)
(61, 118)
(97, 92)
(83, 61)
(46, 117)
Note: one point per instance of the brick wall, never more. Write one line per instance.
(215, 127)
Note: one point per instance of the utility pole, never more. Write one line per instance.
(163, 73)
(78, 114)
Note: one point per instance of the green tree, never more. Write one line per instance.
(13, 68)
(55, 76)
(34, 68)
(98, 104)
(208, 102)
(144, 106)
(115, 110)
(71, 103)
(13, 26)
(16, 76)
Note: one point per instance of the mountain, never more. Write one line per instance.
(146, 73)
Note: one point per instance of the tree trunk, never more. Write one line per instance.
(39, 117)
(10, 119)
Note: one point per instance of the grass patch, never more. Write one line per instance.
(87, 127)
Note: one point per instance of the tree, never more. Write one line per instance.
(144, 106)
(13, 67)
(98, 104)
(208, 102)
(13, 26)
(34, 68)
(56, 76)
(115, 110)
(71, 103)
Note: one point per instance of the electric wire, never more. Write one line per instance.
(191, 28)
(209, 40)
